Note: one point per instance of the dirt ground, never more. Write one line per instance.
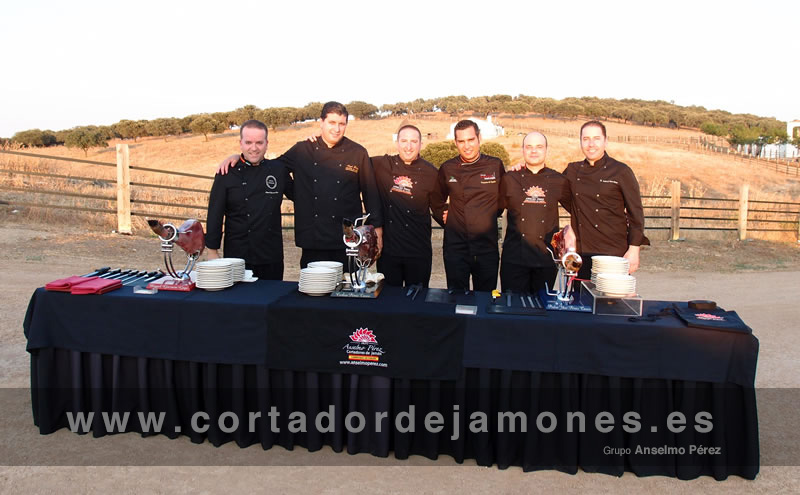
(760, 280)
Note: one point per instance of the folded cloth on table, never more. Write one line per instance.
(96, 286)
(716, 319)
(65, 284)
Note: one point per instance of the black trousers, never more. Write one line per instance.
(460, 266)
(405, 270)
(310, 255)
(519, 278)
(268, 271)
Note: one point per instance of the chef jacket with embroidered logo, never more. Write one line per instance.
(607, 212)
(329, 184)
(475, 204)
(532, 201)
(249, 199)
(405, 192)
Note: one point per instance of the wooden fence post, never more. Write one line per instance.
(798, 228)
(743, 194)
(123, 190)
(675, 228)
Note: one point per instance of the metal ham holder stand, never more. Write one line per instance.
(569, 263)
(189, 237)
(362, 251)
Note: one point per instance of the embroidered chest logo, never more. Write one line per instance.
(452, 179)
(272, 182)
(535, 195)
(352, 168)
(363, 349)
(609, 181)
(488, 178)
(403, 185)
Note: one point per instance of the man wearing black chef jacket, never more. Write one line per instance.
(471, 181)
(248, 201)
(405, 182)
(607, 212)
(330, 178)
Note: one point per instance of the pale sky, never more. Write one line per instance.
(85, 62)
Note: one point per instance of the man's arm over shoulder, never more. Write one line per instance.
(295, 155)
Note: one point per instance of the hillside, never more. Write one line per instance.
(654, 164)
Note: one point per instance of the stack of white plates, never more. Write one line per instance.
(238, 268)
(609, 264)
(215, 274)
(616, 284)
(336, 265)
(318, 280)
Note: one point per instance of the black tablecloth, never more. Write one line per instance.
(200, 351)
(232, 326)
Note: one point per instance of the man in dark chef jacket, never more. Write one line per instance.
(607, 212)
(531, 195)
(248, 200)
(331, 176)
(472, 182)
(405, 182)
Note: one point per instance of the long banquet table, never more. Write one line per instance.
(263, 345)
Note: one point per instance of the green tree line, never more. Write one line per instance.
(736, 128)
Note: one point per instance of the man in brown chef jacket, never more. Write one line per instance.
(472, 182)
(531, 194)
(607, 212)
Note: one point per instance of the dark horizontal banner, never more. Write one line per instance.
(532, 425)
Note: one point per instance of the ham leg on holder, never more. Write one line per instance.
(362, 249)
(189, 236)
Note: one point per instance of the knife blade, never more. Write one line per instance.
(97, 272)
(132, 275)
(109, 273)
(153, 278)
(121, 274)
(141, 277)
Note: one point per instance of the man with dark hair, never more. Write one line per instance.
(405, 182)
(249, 200)
(472, 182)
(531, 196)
(330, 178)
(607, 212)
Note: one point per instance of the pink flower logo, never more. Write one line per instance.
(363, 335)
(403, 181)
(535, 192)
